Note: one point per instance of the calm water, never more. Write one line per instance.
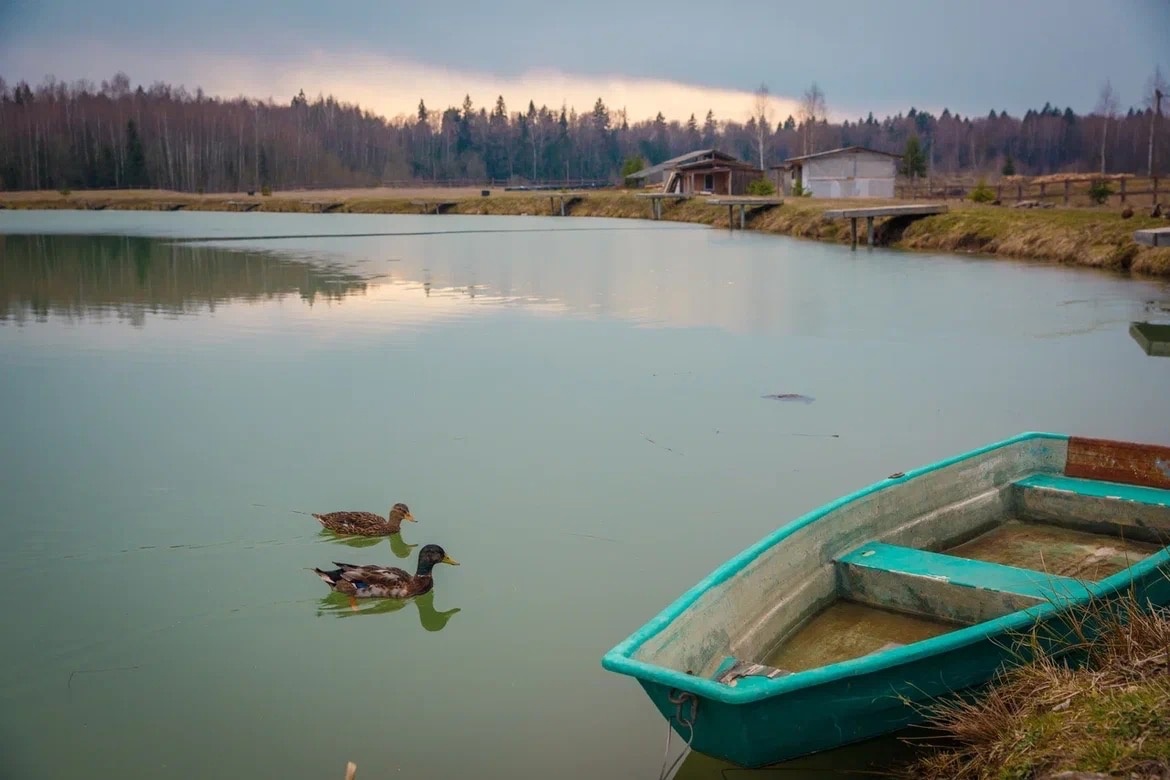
(572, 408)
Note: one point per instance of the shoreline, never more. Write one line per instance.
(1094, 237)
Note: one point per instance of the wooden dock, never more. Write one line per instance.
(323, 207)
(434, 206)
(872, 212)
(743, 201)
(242, 205)
(1153, 236)
(566, 200)
(1153, 338)
(171, 206)
(656, 199)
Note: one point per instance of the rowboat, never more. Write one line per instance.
(847, 622)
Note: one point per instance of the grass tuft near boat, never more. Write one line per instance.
(848, 622)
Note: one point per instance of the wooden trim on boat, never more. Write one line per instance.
(1118, 461)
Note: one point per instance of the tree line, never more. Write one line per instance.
(80, 135)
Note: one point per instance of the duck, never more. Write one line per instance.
(366, 523)
(373, 581)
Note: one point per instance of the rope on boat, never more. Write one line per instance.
(687, 721)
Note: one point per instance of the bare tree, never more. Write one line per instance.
(812, 110)
(1156, 89)
(761, 112)
(1107, 110)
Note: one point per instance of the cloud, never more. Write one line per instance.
(387, 85)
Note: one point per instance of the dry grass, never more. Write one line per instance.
(1097, 237)
(1107, 712)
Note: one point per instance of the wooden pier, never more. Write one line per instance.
(566, 200)
(871, 212)
(434, 206)
(1153, 236)
(323, 207)
(172, 206)
(743, 201)
(656, 199)
(242, 205)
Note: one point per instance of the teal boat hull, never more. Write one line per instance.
(756, 720)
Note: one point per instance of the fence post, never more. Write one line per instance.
(1019, 192)
(1066, 192)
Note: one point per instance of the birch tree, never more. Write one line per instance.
(1107, 110)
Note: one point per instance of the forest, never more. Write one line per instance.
(80, 135)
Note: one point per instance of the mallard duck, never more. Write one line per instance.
(372, 581)
(366, 523)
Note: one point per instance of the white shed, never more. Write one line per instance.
(849, 172)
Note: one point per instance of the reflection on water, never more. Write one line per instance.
(399, 547)
(579, 413)
(882, 757)
(428, 617)
(90, 276)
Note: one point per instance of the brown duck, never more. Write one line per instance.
(379, 582)
(366, 523)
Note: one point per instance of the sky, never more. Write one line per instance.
(679, 58)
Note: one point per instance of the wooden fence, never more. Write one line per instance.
(1070, 191)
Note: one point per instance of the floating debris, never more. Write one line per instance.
(804, 399)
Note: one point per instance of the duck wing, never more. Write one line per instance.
(373, 574)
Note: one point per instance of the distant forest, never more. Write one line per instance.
(85, 136)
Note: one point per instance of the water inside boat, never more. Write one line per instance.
(1046, 529)
(846, 629)
(966, 543)
(1052, 548)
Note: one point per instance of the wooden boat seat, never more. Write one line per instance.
(946, 587)
(1129, 511)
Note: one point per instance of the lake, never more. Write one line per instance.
(573, 408)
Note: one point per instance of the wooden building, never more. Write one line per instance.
(848, 172)
(657, 174)
(723, 176)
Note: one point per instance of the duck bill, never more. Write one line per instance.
(450, 560)
(410, 517)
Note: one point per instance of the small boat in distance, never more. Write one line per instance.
(847, 622)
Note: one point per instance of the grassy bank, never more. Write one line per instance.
(1096, 237)
(1110, 715)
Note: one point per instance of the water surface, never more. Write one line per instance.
(573, 408)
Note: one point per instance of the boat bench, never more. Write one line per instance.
(1130, 511)
(946, 587)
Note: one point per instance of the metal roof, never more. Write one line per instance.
(832, 152)
(676, 161)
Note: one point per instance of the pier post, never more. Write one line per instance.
(869, 229)
(730, 217)
(853, 232)
(742, 218)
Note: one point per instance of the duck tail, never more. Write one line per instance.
(330, 577)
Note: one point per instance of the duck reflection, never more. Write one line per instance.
(399, 546)
(431, 619)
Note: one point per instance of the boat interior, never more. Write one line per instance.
(1033, 521)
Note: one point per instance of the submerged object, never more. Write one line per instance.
(846, 623)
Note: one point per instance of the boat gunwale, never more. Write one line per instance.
(620, 658)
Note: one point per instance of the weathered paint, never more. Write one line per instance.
(1127, 511)
(1119, 461)
(768, 590)
(943, 586)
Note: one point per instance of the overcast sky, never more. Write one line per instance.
(679, 57)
